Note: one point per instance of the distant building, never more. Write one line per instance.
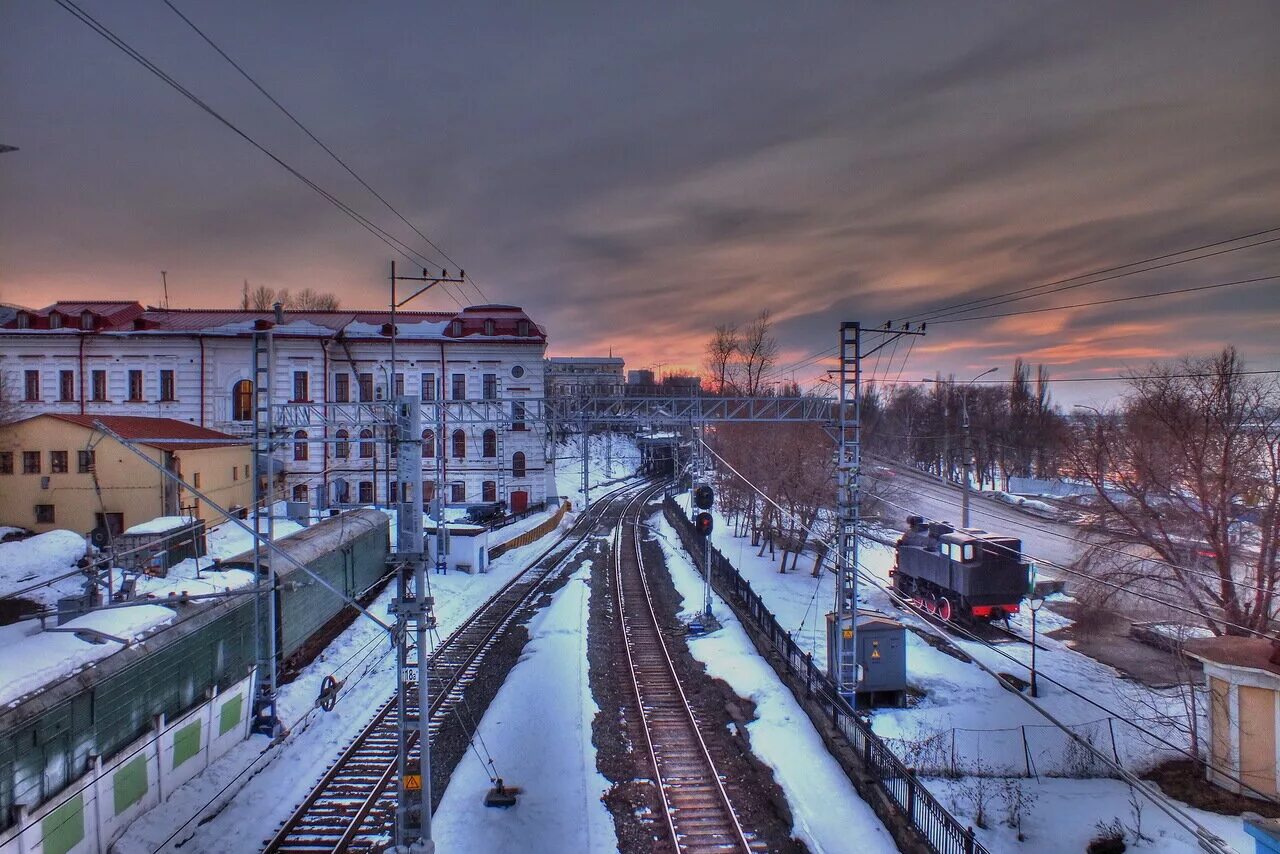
(571, 376)
(640, 378)
(195, 366)
(682, 385)
(58, 471)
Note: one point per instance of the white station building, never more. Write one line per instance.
(195, 365)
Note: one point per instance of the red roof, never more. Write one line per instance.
(147, 430)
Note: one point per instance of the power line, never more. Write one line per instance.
(383, 235)
(245, 74)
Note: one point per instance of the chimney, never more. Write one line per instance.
(279, 309)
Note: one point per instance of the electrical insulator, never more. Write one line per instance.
(704, 497)
(702, 524)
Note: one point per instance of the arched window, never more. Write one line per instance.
(55, 320)
(366, 445)
(459, 444)
(428, 443)
(300, 492)
(242, 401)
(490, 444)
(489, 491)
(342, 449)
(517, 464)
(300, 445)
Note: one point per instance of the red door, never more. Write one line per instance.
(519, 501)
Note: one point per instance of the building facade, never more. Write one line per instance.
(59, 471)
(196, 366)
(598, 376)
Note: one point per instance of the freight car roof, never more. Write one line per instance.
(320, 538)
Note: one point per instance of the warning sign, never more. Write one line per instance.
(413, 782)
(848, 634)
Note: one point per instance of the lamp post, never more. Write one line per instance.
(1035, 601)
(968, 450)
(1102, 480)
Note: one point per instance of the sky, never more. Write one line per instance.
(635, 174)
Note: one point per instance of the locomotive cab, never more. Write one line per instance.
(961, 571)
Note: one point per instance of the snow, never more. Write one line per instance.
(35, 559)
(9, 531)
(40, 659)
(988, 720)
(603, 468)
(825, 806)
(160, 525)
(538, 728)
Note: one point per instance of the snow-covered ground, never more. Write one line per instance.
(608, 459)
(827, 810)
(988, 719)
(538, 729)
(264, 787)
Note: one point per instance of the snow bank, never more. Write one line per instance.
(38, 558)
(160, 525)
(40, 659)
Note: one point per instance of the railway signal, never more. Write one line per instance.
(702, 524)
(703, 497)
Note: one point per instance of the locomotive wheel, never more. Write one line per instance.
(931, 603)
(944, 609)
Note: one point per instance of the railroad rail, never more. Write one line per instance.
(698, 811)
(353, 805)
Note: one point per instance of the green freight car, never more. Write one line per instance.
(49, 736)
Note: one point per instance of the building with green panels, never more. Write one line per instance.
(48, 737)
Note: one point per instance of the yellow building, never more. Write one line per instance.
(1243, 678)
(58, 471)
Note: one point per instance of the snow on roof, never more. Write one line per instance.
(160, 525)
(38, 558)
(36, 661)
(1231, 651)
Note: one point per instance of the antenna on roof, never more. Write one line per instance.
(164, 278)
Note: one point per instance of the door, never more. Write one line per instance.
(519, 501)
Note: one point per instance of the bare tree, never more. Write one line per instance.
(1188, 471)
(722, 350)
(757, 353)
(264, 298)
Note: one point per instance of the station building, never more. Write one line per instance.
(195, 366)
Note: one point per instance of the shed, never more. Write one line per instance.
(882, 654)
(466, 546)
(1243, 678)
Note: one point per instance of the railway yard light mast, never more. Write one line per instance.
(1035, 601)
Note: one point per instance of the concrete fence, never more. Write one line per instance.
(95, 810)
(531, 535)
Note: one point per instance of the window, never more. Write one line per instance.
(235, 473)
(341, 388)
(489, 327)
(300, 492)
(428, 493)
(85, 461)
(489, 491)
(366, 492)
(66, 385)
(31, 385)
(455, 328)
(44, 514)
(57, 462)
(457, 492)
(459, 386)
(135, 386)
(398, 385)
(490, 443)
(167, 391)
(366, 387)
(113, 522)
(522, 328)
(55, 320)
(300, 386)
(366, 444)
(195, 480)
(342, 492)
(517, 464)
(300, 447)
(99, 385)
(517, 415)
(428, 386)
(246, 470)
(6, 462)
(24, 320)
(31, 462)
(968, 552)
(342, 448)
(242, 401)
(490, 387)
(428, 443)
(86, 320)
(459, 444)
(517, 371)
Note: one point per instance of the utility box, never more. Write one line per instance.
(882, 657)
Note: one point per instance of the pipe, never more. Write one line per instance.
(81, 372)
(200, 338)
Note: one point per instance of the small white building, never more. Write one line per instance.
(466, 546)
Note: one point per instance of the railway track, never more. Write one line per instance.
(352, 807)
(697, 809)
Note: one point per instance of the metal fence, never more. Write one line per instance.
(941, 830)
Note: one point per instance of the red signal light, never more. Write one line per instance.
(702, 524)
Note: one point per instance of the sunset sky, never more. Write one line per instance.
(633, 174)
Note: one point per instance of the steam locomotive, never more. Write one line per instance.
(960, 573)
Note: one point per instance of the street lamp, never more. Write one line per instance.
(1102, 481)
(1035, 601)
(968, 450)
